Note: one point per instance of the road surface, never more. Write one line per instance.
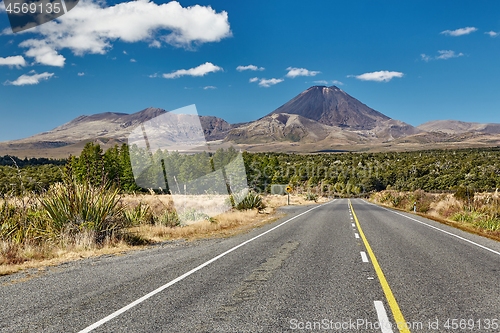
(343, 266)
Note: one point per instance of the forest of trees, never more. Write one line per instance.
(337, 173)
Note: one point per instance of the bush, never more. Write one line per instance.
(311, 196)
(251, 201)
(138, 215)
(464, 194)
(74, 207)
(168, 219)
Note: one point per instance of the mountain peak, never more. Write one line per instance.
(334, 107)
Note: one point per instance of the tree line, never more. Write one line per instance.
(337, 173)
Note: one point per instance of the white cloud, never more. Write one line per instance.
(254, 79)
(338, 83)
(442, 55)
(380, 76)
(81, 74)
(266, 83)
(323, 82)
(17, 61)
(26, 79)
(249, 68)
(43, 53)
(492, 33)
(125, 52)
(294, 72)
(92, 27)
(209, 87)
(133, 60)
(425, 57)
(448, 54)
(459, 32)
(155, 44)
(201, 70)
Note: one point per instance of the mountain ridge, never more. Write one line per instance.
(318, 119)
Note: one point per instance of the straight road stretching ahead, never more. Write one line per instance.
(345, 266)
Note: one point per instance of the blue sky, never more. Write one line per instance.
(414, 61)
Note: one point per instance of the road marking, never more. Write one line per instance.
(383, 320)
(446, 232)
(364, 258)
(393, 304)
(353, 225)
(356, 235)
(185, 275)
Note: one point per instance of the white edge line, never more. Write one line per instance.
(364, 258)
(446, 232)
(383, 320)
(183, 276)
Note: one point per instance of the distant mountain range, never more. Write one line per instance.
(318, 119)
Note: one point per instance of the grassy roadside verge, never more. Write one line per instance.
(478, 214)
(149, 220)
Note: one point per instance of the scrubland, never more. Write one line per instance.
(474, 212)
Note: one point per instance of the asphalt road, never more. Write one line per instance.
(322, 268)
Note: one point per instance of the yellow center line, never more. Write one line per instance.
(396, 311)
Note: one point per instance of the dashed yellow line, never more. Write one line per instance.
(396, 311)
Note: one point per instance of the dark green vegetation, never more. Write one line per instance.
(345, 173)
(355, 173)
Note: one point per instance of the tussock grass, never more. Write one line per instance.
(480, 214)
(64, 223)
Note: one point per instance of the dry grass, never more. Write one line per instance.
(17, 257)
(480, 216)
(53, 256)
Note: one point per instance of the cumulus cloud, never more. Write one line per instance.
(133, 60)
(380, 76)
(209, 87)
(442, 55)
(249, 68)
(43, 53)
(81, 74)
(27, 79)
(201, 70)
(17, 61)
(448, 54)
(155, 44)
(254, 79)
(91, 27)
(266, 83)
(338, 83)
(459, 32)
(294, 72)
(492, 33)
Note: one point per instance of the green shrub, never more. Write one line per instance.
(311, 196)
(22, 221)
(464, 194)
(77, 207)
(251, 200)
(488, 224)
(168, 219)
(138, 215)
